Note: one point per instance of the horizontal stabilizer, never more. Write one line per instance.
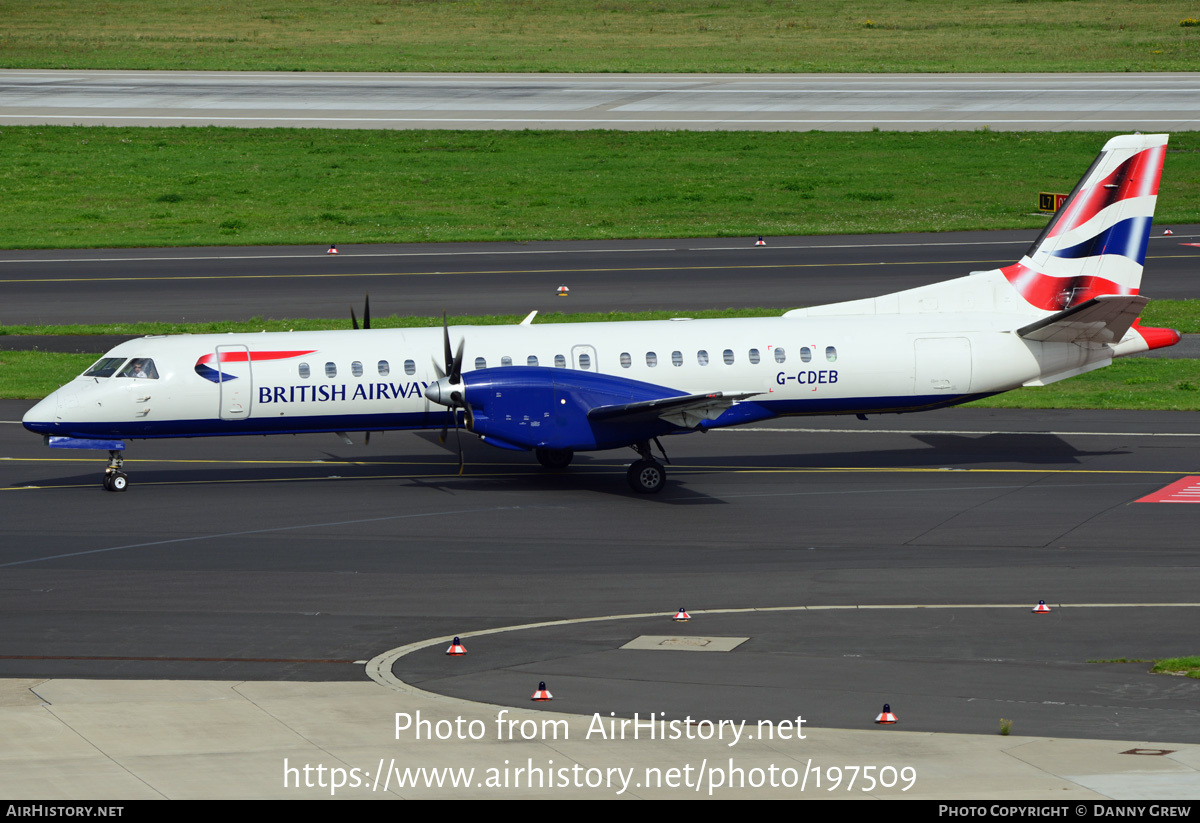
(1103, 319)
(686, 410)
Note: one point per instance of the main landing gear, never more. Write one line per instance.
(115, 480)
(647, 476)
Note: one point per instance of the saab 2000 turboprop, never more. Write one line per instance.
(1068, 306)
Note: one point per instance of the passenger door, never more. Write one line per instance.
(235, 382)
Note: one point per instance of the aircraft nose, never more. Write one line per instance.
(43, 416)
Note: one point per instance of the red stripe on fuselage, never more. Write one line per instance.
(254, 356)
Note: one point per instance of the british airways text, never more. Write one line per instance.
(321, 394)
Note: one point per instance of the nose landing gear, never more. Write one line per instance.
(115, 480)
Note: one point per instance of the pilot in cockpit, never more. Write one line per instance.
(140, 367)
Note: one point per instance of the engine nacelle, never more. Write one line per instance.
(547, 408)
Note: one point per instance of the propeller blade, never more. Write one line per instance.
(453, 359)
(458, 437)
(366, 315)
(453, 372)
(456, 367)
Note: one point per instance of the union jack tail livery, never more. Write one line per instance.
(1096, 244)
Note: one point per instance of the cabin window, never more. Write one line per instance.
(104, 367)
(728, 355)
(585, 361)
(805, 354)
(831, 354)
(304, 370)
(702, 357)
(331, 370)
(384, 368)
(480, 363)
(356, 368)
(506, 360)
(754, 356)
(140, 367)
(780, 355)
(626, 360)
(531, 360)
(410, 368)
(651, 359)
(676, 358)
(560, 362)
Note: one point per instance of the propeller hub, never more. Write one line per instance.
(445, 393)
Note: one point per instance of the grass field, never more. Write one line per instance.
(1129, 383)
(81, 187)
(1186, 666)
(602, 35)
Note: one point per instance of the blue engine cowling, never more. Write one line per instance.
(547, 408)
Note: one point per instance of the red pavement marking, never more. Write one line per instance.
(1186, 490)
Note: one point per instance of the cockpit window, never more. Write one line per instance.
(140, 367)
(105, 367)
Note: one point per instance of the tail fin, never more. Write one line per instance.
(1096, 243)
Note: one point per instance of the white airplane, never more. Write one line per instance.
(1069, 306)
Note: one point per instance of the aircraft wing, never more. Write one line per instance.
(1103, 319)
(686, 411)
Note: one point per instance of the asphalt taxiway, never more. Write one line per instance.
(217, 284)
(300, 558)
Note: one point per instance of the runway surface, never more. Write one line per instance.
(292, 558)
(214, 284)
(1032, 102)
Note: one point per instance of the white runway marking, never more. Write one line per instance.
(317, 253)
(380, 667)
(352, 252)
(787, 102)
